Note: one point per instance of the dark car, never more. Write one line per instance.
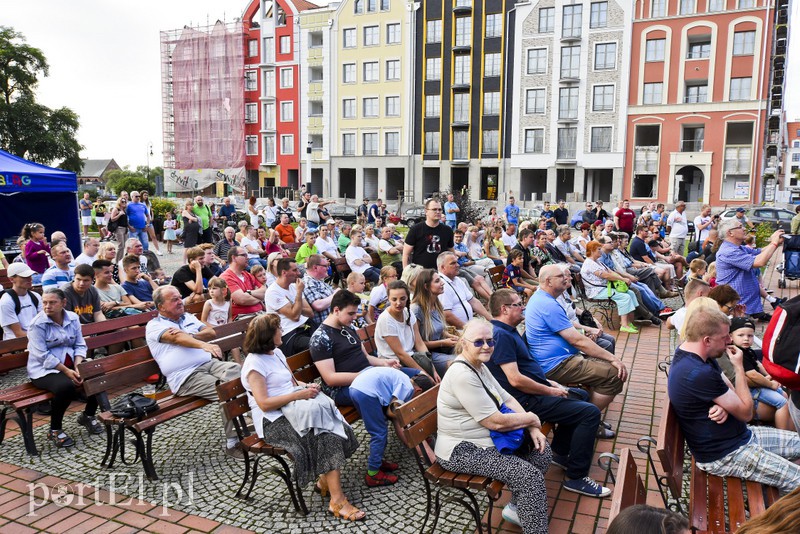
(340, 211)
(413, 215)
(779, 218)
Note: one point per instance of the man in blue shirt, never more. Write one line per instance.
(519, 374)
(227, 210)
(138, 219)
(548, 216)
(451, 210)
(136, 283)
(713, 413)
(565, 354)
(511, 212)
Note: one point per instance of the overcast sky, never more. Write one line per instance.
(105, 64)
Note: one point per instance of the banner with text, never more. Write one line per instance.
(190, 180)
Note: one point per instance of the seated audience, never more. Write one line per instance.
(694, 289)
(91, 246)
(358, 259)
(457, 300)
(317, 293)
(641, 518)
(306, 249)
(379, 297)
(61, 273)
(427, 308)
(224, 245)
(512, 276)
(136, 283)
(247, 294)
(114, 300)
(253, 248)
(192, 279)
(285, 230)
(83, 299)
(18, 304)
(390, 250)
(285, 297)
(472, 273)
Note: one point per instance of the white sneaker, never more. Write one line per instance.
(510, 514)
(158, 253)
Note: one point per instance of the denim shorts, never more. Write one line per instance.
(768, 396)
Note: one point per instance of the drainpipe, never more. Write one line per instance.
(759, 194)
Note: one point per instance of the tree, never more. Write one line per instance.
(127, 180)
(28, 129)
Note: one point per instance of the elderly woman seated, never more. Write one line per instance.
(596, 277)
(469, 408)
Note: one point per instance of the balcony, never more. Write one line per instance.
(315, 123)
(645, 159)
(773, 137)
(568, 77)
(460, 86)
(570, 35)
(459, 160)
(567, 120)
(691, 145)
(460, 123)
(462, 7)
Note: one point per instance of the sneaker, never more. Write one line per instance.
(235, 452)
(778, 302)
(666, 312)
(668, 294)
(586, 486)
(44, 408)
(91, 423)
(628, 329)
(510, 514)
(388, 467)
(159, 253)
(655, 321)
(380, 479)
(60, 439)
(560, 460)
(605, 433)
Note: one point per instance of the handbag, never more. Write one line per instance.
(587, 319)
(423, 359)
(617, 285)
(505, 442)
(133, 405)
(112, 225)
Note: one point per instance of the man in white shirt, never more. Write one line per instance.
(703, 223)
(179, 343)
(563, 244)
(18, 306)
(509, 237)
(678, 228)
(458, 301)
(90, 247)
(285, 297)
(134, 247)
(253, 248)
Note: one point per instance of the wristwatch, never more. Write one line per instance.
(249, 292)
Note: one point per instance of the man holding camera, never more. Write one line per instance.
(704, 222)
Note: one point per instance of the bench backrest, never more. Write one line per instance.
(496, 275)
(416, 418)
(577, 282)
(233, 399)
(367, 337)
(670, 449)
(628, 489)
(302, 367)
(341, 266)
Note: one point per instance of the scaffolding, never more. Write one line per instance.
(202, 95)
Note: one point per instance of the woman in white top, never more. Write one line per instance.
(474, 238)
(396, 331)
(270, 213)
(595, 281)
(358, 259)
(370, 239)
(582, 240)
(300, 231)
(270, 387)
(467, 410)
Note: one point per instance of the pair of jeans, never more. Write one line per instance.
(141, 235)
(256, 261)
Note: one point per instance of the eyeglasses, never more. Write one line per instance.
(348, 336)
(515, 305)
(478, 343)
(240, 255)
(434, 209)
(729, 307)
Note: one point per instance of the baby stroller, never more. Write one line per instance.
(790, 268)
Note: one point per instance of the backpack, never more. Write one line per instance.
(17, 304)
(133, 405)
(781, 344)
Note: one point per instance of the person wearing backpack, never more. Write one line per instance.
(18, 304)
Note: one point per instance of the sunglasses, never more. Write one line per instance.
(478, 343)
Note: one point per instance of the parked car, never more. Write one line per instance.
(529, 214)
(413, 215)
(577, 219)
(340, 211)
(779, 218)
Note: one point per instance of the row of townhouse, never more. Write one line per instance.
(653, 100)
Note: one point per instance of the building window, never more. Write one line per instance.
(369, 144)
(315, 40)
(659, 8)
(654, 50)
(603, 98)
(696, 93)
(494, 25)
(349, 73)
(372, 6)
(287, 145)
(315, 108)
(287, 78)
(537, 61)
(547, 19)
(740, 88)
(433, 32)
(460, 144)
(687, 7)
(358, 6)
(432, 105)
(251, 113)
(251, 80)
(287, 111)
(490, 141)
(605, 56)
(269, 49)
(462, 70)
(432, 142)
(269, 83)
(716, 5)
(393, 33)
(280, 16)
(746, 4)
(372, 36)
(567, 142)
(463, 31)
(571, 20)
(269, 149)
(461, 107)
(491, 103)
(349, 38)
(370, 106)
(371, 71)
(269, 115)
(285, 44)
(534, 141)
(252, 48)
(491, 64)
(699, 50)
(385, 5)
(349, 108)
(599, 15)
(251, 145)
(652, 93)
(392, 106)
(568, 103)
(393, 69)
(534, 101)
(601, 139)
(796, 156)
(349, 144)
(433, 68)
(392, 143)
(570, 61)
(744, 43)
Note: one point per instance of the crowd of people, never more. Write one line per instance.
(505, 358)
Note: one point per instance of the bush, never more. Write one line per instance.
(133, 183)
(763, 232)
(162, 206)
(469, 212)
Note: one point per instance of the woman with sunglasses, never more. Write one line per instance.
(467, 409)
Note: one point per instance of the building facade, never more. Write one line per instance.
(699, 100)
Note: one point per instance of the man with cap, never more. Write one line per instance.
(743, 218)
(18, 305)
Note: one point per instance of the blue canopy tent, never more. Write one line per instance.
(30, 192)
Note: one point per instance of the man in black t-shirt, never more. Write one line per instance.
(426, 240)
(82, 297)
(302, 206)
(524, 242)
(340, 356)
(192, 278)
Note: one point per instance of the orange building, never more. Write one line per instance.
(699, 101)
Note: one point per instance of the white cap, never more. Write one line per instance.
(19, 269)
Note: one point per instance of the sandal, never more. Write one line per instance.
(354, 515)
(321, 486)
(60, 439)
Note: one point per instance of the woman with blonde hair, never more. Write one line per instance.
(428, 310)
(783, 517)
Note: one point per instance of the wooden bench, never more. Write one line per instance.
(342, 269)
(708, 494)
(24, 398)
(128, 369)
(628, 487)
(496, 276)
(5, 281)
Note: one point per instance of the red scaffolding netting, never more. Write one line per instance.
(208, 98)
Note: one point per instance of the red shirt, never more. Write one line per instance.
(236, 284)
(626, 219)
